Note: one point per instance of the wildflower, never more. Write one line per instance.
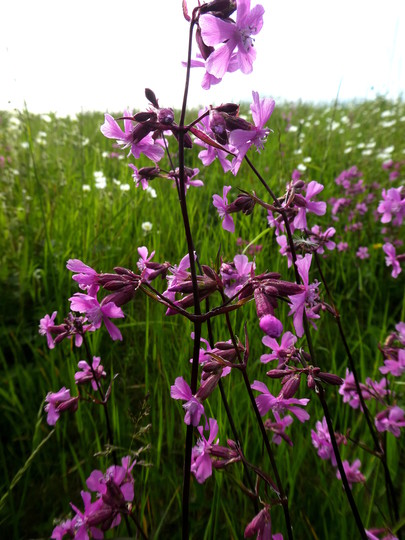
(278, 428)
(342, 246)
(260, 525)
(85, 276)
(392, 259)
(322, 441)
(305, 205)
(142, 262)
(221, 204)
(147, 226)
(230, 35)
(280, 352)
(45, 326)
(211, 152)
(129, 138)
(90, 374)
(362, 253)
(392, 207)
(236, 274)
(201, 465)
(322, 239)
(193, 406)
(352, 472)
(243, 139)
(267, 401)
(391, 419)
(58, 402)
(309, 297)
(98, 312)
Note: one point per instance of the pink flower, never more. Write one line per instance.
(201, 465)
(280, 352)
(58, 402)
(97, 313)
(234, 275)
(322, 442)
(309, 297)
(230, 36)
(90, 374)
(45, 326)
(260, 525)
(392, 207)
(391, 419)
(221, 204)
(352, 472)
(362, 252)
(395, 367)
(147, 145)
(85, 276)
(243, 139)
(342, 246)
(318, 208)
(267, 401)
(193, 406)
(391, 259)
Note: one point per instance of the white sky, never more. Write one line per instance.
(68, 56)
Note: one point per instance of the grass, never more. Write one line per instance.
(47, 217)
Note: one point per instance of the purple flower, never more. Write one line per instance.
(391, 419)
(280, 352)
(210, 152)
(94, 514)
(395, 367)
(322, 442)
(85, 276)
(45, 326)
(391, 259)
(243, 139)
(308, 297)
(278, 428)
(307, 205)
(392, 207)
(230, 36)
(144, 258)
(201, 465)
(234, 275)
(97, 313)
(352, 472)
(267, 401)
(260, 525)
(147, 145)
(362, 252)
(323, 239)
(193, 406)
(57, 403)
(221, 204)
(342, 246)
(90, 374)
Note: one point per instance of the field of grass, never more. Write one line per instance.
(53, 209)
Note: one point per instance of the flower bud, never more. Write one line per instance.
(291, 386)
(166, 116)
(150, 96)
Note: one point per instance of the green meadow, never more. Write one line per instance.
(67, 193)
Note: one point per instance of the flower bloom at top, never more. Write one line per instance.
(395, 367)
(322, 442)
(230, 35)
(235, 274)
(280, 352)
(201, 465)
(85, 275)
(362, 252)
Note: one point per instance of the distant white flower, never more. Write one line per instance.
(301, 167)
(25, 144)
(116, 182)
(367, 152)
(146, 226)
(105, 154)
(86, 187)
(100, 179)
(348, 150)
(307, 159)
(151, 192)
(46, 118)
(125, 187)
(385, 114)
(293, 129)
(85, 141)
(388, 123)
(334, 125)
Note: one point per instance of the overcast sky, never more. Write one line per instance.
(68, 56)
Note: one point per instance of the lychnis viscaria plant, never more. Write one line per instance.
(289, 307)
